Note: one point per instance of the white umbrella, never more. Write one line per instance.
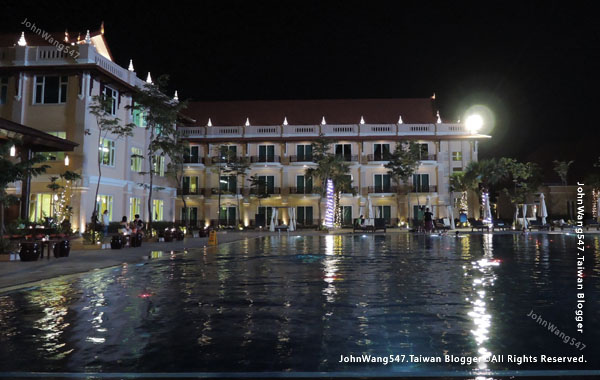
(542, 211)
(516, 215)
(291, 219)
(487, 212)
(361, 211)
(451, 217)
(370, 208)
(273, 219)
(524, 215)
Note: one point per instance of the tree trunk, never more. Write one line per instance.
(95, 200)
(150, 198)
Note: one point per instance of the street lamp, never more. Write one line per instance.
(474, 123)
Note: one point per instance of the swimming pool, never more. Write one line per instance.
(314, 303)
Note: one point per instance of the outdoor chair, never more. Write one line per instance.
(440, 225)
(363, 227)
(479, 225)
(380, 224)
(562, 225)
(592, 223)
(500, 225)
(537, 225)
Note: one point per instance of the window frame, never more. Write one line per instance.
(114, 97)
(39, 88)
(3, 90)
(136, 161)
(112, 148)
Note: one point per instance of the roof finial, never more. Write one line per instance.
(247, 122)
(285, 121)
(88, 39)
(176, 97)
(433, 96)
(78, 36)
(102, 27)
(149, 78)
(209, 124)
(130, 68)
(66, 35)
(22, 41)
(362, 120)
(400, 120)
(439, 119)
(323, 122)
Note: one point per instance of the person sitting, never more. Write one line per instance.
(124, 227)
(137, 225)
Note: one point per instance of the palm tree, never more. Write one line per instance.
(403, 163)
(460, 183)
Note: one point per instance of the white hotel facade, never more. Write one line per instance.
(51, 90)
(275, 137)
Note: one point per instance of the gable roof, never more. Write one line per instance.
(311, 112)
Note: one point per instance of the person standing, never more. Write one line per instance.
(105, 221)
(428, 217)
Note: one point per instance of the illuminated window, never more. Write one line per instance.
(3, 90)
(55, 156)
(40, 206)
(104, 202)
(106, 153)
(456, 156)
(113, 97)
(136, 159)
(50, 89)
(135, 207)
(158, 165)
(157, 209)
(138, 117)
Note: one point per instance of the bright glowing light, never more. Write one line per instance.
(67, 160)
(329, 212)
(474, 123)
(22, 41)
(130, 68)
(247, 122)
(13, 151)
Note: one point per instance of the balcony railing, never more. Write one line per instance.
(428, 157)
(193, 160)
(264, 159)
(263, 191)
(305, 158)
(347, 158)
(424, 189)
(304, 190)
(382, 189)
(379, 157)
(215, 191)
(185, 191)
(219, 160)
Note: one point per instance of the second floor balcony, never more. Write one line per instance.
(265, 159)
(401, 189)
(193, 160)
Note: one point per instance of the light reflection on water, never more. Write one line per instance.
(298, 303)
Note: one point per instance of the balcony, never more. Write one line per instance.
(347, 158)
(264, 191)
(185, 191)
(428, 157)
(265, 159)
(423, 189)
(215, 191)
(378, 157)
(306, 158)
(383, 189)
(307, 190)
(193, 160)
(226, 160)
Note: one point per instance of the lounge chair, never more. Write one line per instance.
(500, 225)
(440, 225)
(362, 227)
(592, 223)
(479, 225)
(562, 225)
(537, 225)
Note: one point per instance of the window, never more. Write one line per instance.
(268, 212)
(227, 216)
(135, 207)
(50, 89)
(421, 183)
(343, 151)
(3, 90)
(192, 156)
(269, 182)
(104, 202)
(107, 152)
(40, 206)
(304, 215)
(304, 185)
(304, 153)
(382, 183)
(384, 212)
(266, 153)
(136, 159)
(346, 215)
(113, 97)
(158, 165)
(190, 185)
(228, 184)
(55, 156)
(381, 152)
(456, 156)
(190, 214)
(138, 117)
(424, 151)
(157, 209)
(227, 153)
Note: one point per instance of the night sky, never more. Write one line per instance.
(535, 64)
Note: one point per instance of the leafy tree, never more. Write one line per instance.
(226, 164)
(238, 166)
(562, 169)
(258, 187)
(520, 180)
(13, 170)
(160, 114)
(176, 169)
(61, 195)
(459, 183)
(403, 163)
(329, 166)
(107, 125)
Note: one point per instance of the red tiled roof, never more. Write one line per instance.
(311, 112)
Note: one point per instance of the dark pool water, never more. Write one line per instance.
(298, 303)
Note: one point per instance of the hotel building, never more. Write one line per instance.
(275, 138)
(47, 82)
